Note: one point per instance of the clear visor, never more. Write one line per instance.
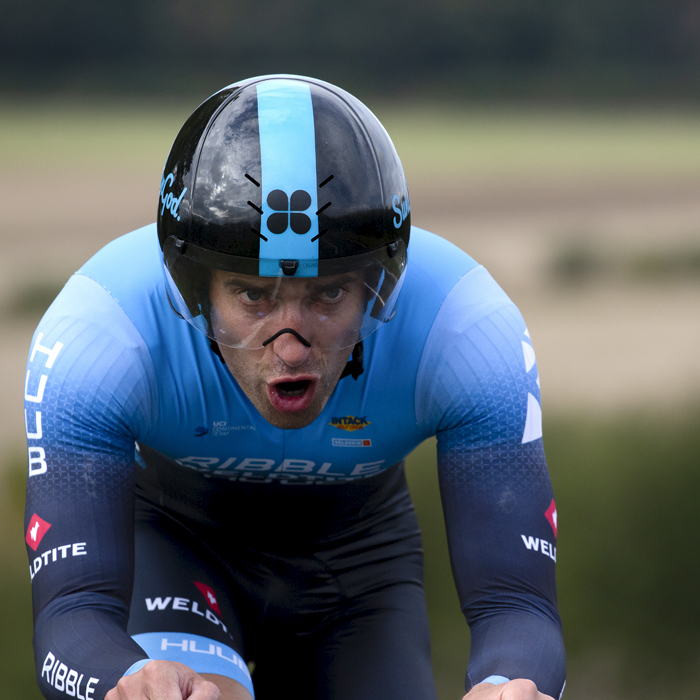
(222, 297)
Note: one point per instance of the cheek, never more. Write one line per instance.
(333, 366)
(242, 364)
(225, 313)
(347, 317)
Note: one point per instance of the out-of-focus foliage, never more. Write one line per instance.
(31, 301)
(487, 46)
(578, 262)
(628, 572)
(18, 674)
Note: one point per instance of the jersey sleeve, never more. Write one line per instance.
(89, 392)
(478, 390)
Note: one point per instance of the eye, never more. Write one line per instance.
(332, 294)
(250, 296)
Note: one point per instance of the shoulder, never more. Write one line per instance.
(434, 264)
(434, 267)
(446, 288)
(445, 293)
(99, 299)
(129, 266)
(87, 345)
(130, 272)
(477, 359)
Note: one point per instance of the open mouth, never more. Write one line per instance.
(296, 395)
(293, 388)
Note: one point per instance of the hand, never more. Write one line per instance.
(519, 689)
(164, 680)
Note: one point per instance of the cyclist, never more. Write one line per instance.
(218, 407)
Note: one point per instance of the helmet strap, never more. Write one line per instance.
(215, 349)
(354, 366)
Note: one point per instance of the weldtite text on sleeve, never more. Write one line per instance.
(88, 384)
(478, 388)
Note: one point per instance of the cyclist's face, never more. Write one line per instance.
(286, 380)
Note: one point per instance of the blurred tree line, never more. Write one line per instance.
(640, 48)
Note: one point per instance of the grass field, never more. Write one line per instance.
(615, 351)
(447, 140)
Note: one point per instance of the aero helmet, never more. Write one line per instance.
(287, 178)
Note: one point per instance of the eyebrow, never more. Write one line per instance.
(248, 281)
(313, 283)
(324, 283)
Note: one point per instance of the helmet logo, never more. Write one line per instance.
(402, 207)
(289, 212)
(170, 201)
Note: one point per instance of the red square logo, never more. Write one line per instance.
(208, 593)
(551, 515)
(36, 531)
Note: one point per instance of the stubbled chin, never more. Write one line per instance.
(290, 421)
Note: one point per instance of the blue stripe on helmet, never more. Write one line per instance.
(288, 160)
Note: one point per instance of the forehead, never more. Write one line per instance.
(300, 285)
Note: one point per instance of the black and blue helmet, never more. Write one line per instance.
(283, 176)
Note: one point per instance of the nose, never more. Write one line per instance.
(290, 350)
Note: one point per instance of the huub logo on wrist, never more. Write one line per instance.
(169, 200)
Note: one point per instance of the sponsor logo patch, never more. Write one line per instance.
(190, 605)
(55, 673)
(222, 429)
(208, 593)
(296, 471)
(349, 442)
(190, 645)
(64, 551)
(350, 423)
(535, 544)
(551, 515)
(36, 531)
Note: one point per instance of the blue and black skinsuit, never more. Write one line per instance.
(167, 519)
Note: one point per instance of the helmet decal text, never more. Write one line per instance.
(169, 201)
(402, 207)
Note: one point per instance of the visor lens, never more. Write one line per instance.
(242, 310)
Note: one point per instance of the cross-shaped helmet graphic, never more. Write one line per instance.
(288, 212)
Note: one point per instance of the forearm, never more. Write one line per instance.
(80, 558)
(497, 519)
(518, 645)
(81, 646)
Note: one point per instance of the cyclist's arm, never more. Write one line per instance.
(478, 390)
(502, 549)
(86, 385)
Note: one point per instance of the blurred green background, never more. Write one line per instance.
(558, 144)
